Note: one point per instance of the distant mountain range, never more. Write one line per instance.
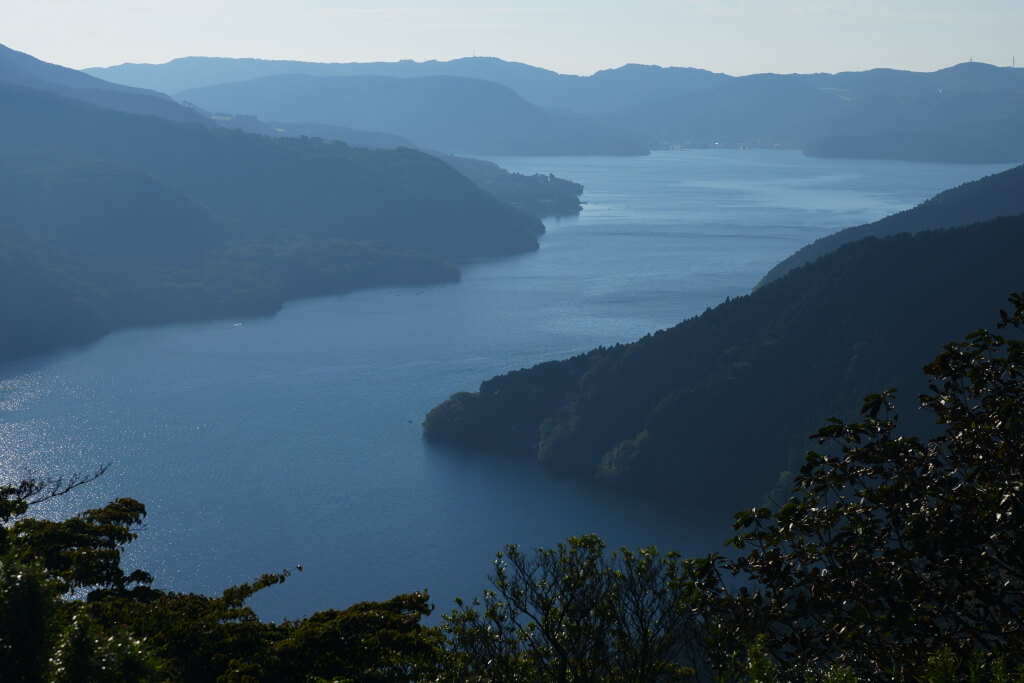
(447, 113)
(967, 113)
(970, 112)
(714, 411)
(605, 92)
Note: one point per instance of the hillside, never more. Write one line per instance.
(397, 198)
(20, 69)
(997, 195)
(713, 411)
(110, 219)
(539, 194)
(446, 113)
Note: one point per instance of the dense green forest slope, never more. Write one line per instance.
(1001, 194)
(714, 410)
(111, 219)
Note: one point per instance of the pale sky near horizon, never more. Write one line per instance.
(569, 36)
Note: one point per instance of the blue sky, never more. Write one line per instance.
(732, 36)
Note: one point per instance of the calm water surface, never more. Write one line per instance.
(296, 439)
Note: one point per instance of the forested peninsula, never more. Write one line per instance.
(714, 413)
(111, 219)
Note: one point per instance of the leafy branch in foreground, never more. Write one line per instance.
(16, 499)
(892, 549)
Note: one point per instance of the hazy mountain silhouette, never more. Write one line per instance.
(604, 92)
(446, 113)
(765, 110)
(968, 113)
(18, 68)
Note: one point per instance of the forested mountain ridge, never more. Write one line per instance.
(111, 219)
(446, 113)
(712, 412)
(1001, 194)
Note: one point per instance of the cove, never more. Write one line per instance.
(295, 439)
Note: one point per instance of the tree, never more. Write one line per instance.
(573, 614)
(126, 631)
(892, 550)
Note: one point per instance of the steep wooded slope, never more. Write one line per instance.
(713, 412)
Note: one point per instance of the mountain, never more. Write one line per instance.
(1001, 194)
(20, 69)
(970, 112)
(967, 113)
(397, 198)
(110, 219)
(714, 413)
(187, 73)
(765, 110)
(450, 114)
(604, 92)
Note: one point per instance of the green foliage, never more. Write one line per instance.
(83, 552)
(573, 614)
(896, 557)
(127, 632)
(28, 600)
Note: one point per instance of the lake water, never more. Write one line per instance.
(295, 439)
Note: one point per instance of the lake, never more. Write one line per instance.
(260, 444)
